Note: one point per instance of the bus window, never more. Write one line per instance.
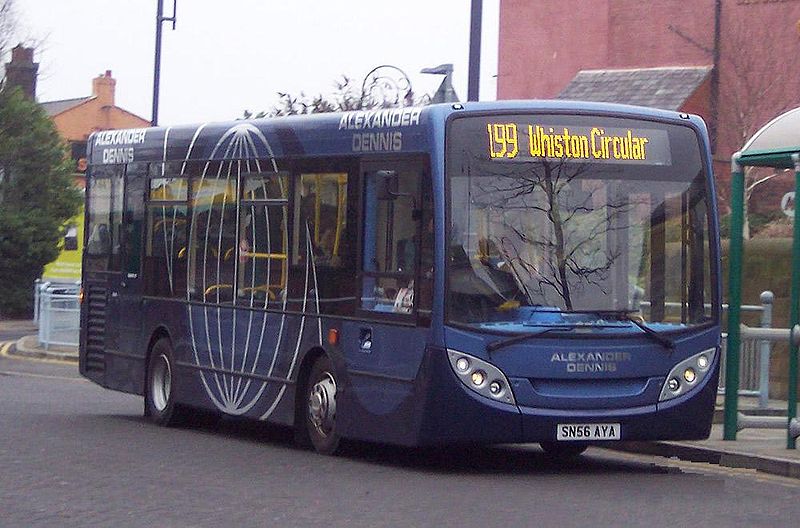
(104, 219)
(263, 240)
(321, 211)
(321, 233)
(392, 235)
(426, 259)
(212, 247)
(165, 250)
(134, 217)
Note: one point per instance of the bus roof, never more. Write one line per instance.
(361, 132)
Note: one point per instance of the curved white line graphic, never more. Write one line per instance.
(234, 151)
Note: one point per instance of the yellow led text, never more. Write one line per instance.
(546, 143)
(503, 141)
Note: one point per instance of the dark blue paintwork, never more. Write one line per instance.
(403, 389)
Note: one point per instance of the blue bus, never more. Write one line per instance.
(499, 272)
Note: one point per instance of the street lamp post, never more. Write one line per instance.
(473, 83)
(160, 19)
(386, 86)
(445, 93)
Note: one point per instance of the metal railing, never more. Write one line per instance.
(788, 422)
(57, 311)
(754, 355)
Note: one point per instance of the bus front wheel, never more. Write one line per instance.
(159, 395)
(320, 415)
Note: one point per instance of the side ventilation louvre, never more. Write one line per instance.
(96, 329)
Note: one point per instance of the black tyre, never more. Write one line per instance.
(563, 450)
(320, 407)
(159, 395)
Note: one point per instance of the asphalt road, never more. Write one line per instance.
(74, 454)
(16, 329)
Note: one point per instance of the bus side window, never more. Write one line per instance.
(135, 182)
(103, 242)
(99, 243)
(263, 240)
(323, 219)
(393, 245)
(212, 248)
(165, 245)
(321, 211)
(426, 258)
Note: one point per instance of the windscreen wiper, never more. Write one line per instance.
(652, 334)
(500, 343)
(626, 315)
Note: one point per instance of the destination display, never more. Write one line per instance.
(523, 141)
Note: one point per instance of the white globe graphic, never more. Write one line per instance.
(227, 340)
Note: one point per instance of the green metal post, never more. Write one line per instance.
(734, 299)
(794, 313)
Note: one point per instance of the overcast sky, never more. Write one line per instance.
(228, 56)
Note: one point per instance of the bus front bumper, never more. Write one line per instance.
(455, 414)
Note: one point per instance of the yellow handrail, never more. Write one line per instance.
(216, 287)
(266, 288)
(276, 256)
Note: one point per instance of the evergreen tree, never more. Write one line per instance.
(37, 196)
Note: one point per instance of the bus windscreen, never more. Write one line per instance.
(576, 214)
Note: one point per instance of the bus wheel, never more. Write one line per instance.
(563, 451)
(320, 413)
(159, 395)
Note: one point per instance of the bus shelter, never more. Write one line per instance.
(776, 145)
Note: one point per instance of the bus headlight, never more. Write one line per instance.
(462, 364)
(702, 362)
(674, 385)
(687, 374)
(481, 377)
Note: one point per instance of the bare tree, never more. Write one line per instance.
(376, 92)
(344, 97)
(756, 86)
(8, 23)
(569, 243)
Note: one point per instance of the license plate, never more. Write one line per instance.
(583, 432)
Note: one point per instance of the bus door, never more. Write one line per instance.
(396, 263)
(102, 270)
(126, 290)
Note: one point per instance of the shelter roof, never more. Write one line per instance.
(666, 88)
(774, 144)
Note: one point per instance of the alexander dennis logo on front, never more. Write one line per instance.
(590, 361)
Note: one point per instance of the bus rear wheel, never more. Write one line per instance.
(563, 451)
(159, 394)
(320, 415)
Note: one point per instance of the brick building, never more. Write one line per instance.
(76, 118)
(731, 61)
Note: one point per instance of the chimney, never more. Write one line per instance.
(21, 71)
(103, 88)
